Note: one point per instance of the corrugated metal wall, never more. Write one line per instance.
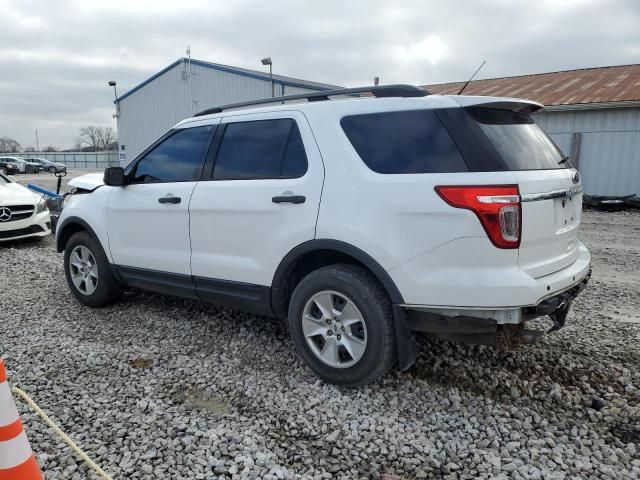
(153, 109)
(609, 159)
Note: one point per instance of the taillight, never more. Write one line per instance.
(497, 207)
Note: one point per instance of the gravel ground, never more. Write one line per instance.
(158, 387)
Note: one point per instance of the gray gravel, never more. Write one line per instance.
(158, 387)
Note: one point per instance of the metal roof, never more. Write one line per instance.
(278, 79)
(602, 85)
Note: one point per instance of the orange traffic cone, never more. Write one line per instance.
(17, 461)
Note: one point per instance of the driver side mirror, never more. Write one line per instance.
(114, 176)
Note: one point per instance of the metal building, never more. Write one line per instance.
(592, 114)
(185, 87)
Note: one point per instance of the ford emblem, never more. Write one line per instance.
(575, 177)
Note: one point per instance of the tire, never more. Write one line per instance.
(52, 169)
(3, 170)
(343, 286)
(100, 287)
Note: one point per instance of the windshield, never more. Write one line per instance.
(521, 143)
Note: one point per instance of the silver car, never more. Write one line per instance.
(48, 165)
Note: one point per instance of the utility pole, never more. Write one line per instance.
(190, 77)
(268, 61)
(112, 83)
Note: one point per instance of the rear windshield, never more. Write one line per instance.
(521, 143)
(412, 141)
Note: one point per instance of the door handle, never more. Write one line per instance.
(170, 199)
(289, 199)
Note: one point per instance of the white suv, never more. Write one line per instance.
(357, 218)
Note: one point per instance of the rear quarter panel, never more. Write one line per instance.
(394, 218)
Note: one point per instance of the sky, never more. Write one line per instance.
(56, 56)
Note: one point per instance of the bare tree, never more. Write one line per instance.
(9, 145)
(97, 138)
(49, 148)
(91, 137)
(109, 140)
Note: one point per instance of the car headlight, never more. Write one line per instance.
(41, 206)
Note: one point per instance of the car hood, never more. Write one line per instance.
(12, 193)
(90, 181)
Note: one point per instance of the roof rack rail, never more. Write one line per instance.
(376, 91)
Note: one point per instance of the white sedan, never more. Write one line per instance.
(23, 214)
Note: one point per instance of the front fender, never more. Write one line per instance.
(87, 211)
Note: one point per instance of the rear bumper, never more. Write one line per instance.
(551, 304)
(487, 325)
(480, 327)
(467, 274)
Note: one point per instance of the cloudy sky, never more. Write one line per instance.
(56, 56)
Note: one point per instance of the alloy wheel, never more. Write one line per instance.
(334, 329)
(83, 270)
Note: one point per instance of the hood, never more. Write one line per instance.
(90, 181)
(12, 194)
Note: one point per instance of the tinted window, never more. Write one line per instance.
(261, 149)
(403, 142)
(294, 161)
(521, 143)
(177, 159)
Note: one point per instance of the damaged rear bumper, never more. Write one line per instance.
(493, 327)
(557, 306)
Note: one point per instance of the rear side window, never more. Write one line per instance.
(178, 158)
(259, 150)
(413, 141)
(521, 143)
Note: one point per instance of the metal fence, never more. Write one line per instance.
(79, 159)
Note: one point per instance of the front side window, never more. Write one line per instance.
(261, 149)
(179, 158)
(411, 141)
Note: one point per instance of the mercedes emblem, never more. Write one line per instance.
(5, 214)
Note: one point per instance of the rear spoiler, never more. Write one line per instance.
(502, 103)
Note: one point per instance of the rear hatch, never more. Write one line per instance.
(551, 194)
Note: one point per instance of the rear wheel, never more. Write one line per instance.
(88, 271)
(341, 322)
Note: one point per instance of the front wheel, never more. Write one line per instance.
(341, 322)
(3, 170)
(88, 272)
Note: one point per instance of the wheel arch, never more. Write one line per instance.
(313, 254)
(319, 253)
(69, 226)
